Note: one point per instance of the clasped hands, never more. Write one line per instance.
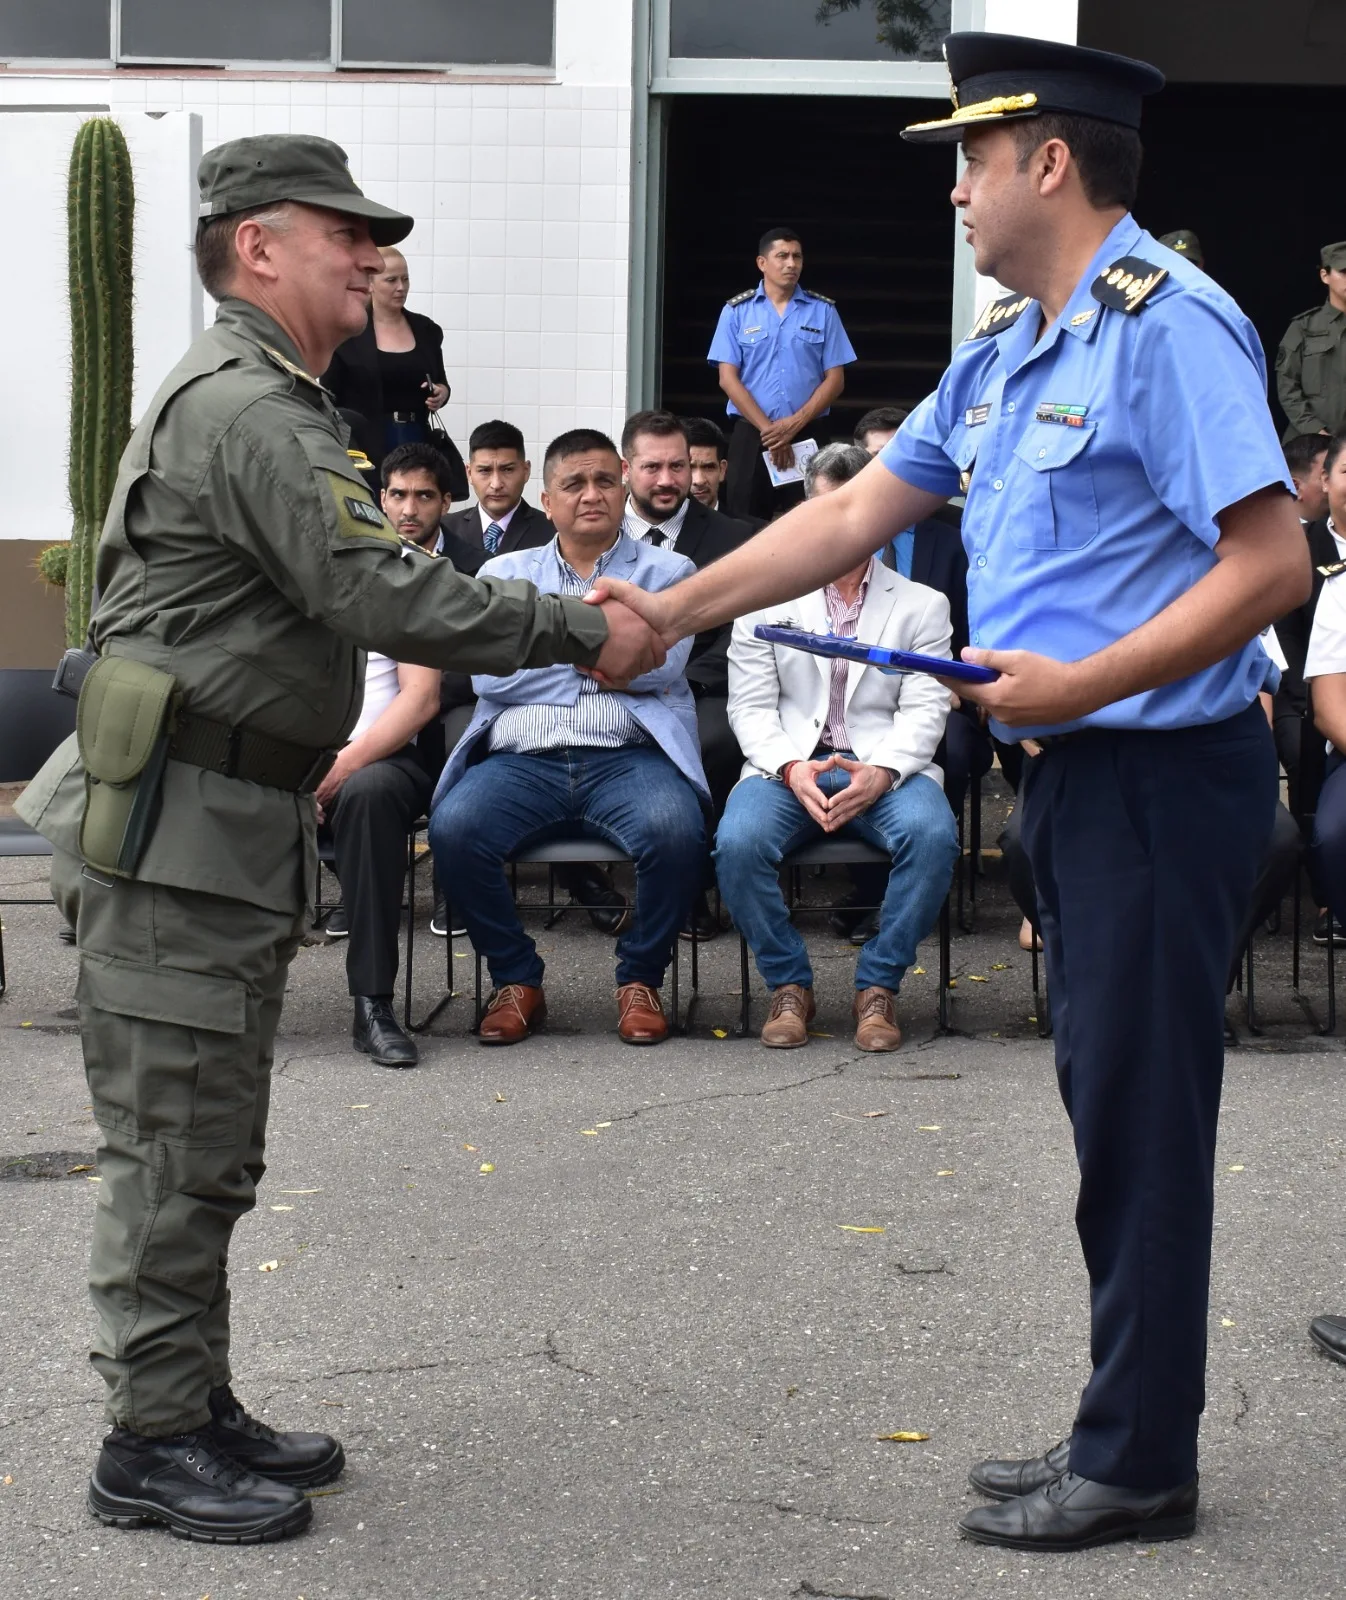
(833, 811)
(639, 633)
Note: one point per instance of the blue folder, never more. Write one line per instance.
(873, 655)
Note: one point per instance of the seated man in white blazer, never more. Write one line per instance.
(834, 747)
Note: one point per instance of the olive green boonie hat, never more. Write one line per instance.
(271, 167)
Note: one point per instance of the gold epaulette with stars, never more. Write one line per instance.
(739, 299)
(1332, 569)
(996, 317)
(286, 365)
(1127, 284)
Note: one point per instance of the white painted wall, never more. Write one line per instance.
(35, 402)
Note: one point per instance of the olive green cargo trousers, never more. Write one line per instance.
(179, 999)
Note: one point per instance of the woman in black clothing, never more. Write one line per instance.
(393, 372)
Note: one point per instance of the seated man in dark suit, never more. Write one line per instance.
(502, 520)
(552, 753)
(709, 452)
(661, 510)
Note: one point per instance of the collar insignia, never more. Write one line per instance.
(286, 365)
(1081, 317)
(1332, 569)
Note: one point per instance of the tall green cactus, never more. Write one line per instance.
(101, 208)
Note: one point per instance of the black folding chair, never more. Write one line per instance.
(1304, 806)
(565, 852)
(841, 853)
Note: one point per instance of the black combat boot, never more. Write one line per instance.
(193, 1488)
(304, 1460)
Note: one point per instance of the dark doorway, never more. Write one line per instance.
(874, 219)
(1252, 168)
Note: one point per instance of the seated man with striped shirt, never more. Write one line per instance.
(550, 753)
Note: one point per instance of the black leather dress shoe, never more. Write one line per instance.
(703, 919)
(1006, 1480)
(608, 910)
(377, 1033)
(193, 1488)
(1074, 1513)
(1329, 1334)
(303, 1460)
(866, 929)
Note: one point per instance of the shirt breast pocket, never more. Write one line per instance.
(1318, 352)
(1053, 503)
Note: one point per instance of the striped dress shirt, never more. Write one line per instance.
(636, 527)
(597, 721)
(842, 619)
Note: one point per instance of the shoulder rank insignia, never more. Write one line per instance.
(286, 365)
(1332, 569)
(826, 299)
(360, 461)
(1127, 284)
(999, 314)
(739, 299)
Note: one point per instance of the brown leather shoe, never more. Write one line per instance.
(787, 1024)
(640, 1014)
(875, 1013)
(512, 1013)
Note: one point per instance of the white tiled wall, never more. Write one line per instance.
(521, 194)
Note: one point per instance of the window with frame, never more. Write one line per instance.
(809, 30)
(313, 33)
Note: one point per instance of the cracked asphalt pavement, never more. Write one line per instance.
(643, 1355)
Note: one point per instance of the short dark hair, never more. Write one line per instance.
(577, 442)
(495, 435)
(879, 420)
(1107, 154)
(1302, 450)
(417, 457)
(774, 235)
(658, 424)
(214, 245)
(703, 433)
(1335, 445)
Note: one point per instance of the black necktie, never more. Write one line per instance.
(655, 536)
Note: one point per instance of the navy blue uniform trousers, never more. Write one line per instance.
(1144, 848)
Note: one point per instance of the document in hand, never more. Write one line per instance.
(803, 449)
(873, 655)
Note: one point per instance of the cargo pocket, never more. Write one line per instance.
(170, 1055)
(1318, 351)
(1053, 504)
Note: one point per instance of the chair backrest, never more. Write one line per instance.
(33, 721)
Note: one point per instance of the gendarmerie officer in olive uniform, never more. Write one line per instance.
(1311, 361)
(1130, 530)
(244, 568)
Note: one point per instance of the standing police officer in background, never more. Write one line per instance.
(1311, 361)
(1130, 532)
(243, 570)
(781, 351)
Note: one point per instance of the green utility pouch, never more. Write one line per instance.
(123, 726)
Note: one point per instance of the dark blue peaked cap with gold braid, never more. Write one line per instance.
(1001, 77)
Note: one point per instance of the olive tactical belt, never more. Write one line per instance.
(236, 752)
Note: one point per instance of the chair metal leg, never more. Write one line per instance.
(409, 964)
(1249, 998)
(1295, 928)
(745, 1001)
(945, 965)
(3, 984)
(1331, 1026)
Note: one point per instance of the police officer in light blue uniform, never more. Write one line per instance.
(781, 352)
(1130, 530)
(1117, 451)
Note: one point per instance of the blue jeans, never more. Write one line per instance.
(763, 822)
(634, 798)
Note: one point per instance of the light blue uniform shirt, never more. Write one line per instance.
(781, 359)
(1079, 531)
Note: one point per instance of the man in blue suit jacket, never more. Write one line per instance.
(552, 752)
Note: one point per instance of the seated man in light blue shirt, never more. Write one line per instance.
(552, 753)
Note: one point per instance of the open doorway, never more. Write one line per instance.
(874, 219)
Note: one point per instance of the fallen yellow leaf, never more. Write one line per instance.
(84, 1166)
(282, 1208)
(469, 1147)
(1000, 966)
(500, 1099)
(1236, 1169)
(918, 972)
(1228, 1322)
(7, 1480)
(953, 983)
(929, 1127)
(25, 1024)
(813, 1035)
(906, 1436)
(976, 977)
(269, 1266)
(93, 1180)
(873, 1113)
(363, 1106)
(300, 1191)
(592, 1133)
(720, 1033)
(945, 1172)
(1032, 1019)
(602, 1124)
(487, 1166)
(847, 1227)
